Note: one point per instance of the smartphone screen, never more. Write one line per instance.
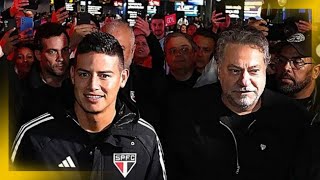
(142, 13)
(26, 23)
(9, 24)
(83, 18)
(33, 4)
(221, 8)
(59, 4)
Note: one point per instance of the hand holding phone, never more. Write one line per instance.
(217, 17)
(10, 24)
(221, 8)
(8, 42)
(27, 25)
(60, 15)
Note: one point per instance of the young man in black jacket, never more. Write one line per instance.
(102, 133)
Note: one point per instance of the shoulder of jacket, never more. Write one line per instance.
(34, 124)
(145, 127)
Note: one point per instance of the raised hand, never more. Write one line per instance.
(218, 22)
(260, 25)
(26, 36)
(143, 25)
(8, 43)
(18, 6)
(60, 15)
(78, 32)
(304, 26)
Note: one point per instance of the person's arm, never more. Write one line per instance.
(159, 85)
(156, 170)
(7, 43)
(23, 153)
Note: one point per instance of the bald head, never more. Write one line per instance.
(124, 34)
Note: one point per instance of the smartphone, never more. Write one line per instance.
(59, 4)
(221, 8)
(83, 18)
(142, 13)
(26, 23)
(36, 23)
(9, 24)
(33, 4)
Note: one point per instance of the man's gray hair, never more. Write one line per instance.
(114, 26)
(252, 37)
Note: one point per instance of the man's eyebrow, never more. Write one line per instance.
(84, 70)
(99, 72)
(250, 67)
(234, 66)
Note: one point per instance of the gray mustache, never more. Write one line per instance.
(245, 89)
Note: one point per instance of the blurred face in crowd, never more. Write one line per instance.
(157, 27)
(126, 41)
(191, 30)
(183, 28)
(290, 76)
(142, 49)
(179, 54)
(24, 59)
(204, 52)
(242, 74)
(54, 57)
(97, 78)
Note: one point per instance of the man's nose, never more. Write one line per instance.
(94, 83)
(244, 79)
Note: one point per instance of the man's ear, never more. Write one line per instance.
(316, 71)
(72, 74)
(37, 53)
(124, 77)
(218, 70)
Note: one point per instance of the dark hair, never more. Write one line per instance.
(100, 42)
(178, 34)
(23, 45)
(206, 33)
(157, 16)
(48, 30)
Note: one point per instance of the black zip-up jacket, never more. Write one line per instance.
(129, 149)
(209, 141)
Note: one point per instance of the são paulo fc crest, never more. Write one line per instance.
(124, 162)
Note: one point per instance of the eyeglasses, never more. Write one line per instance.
(295, 62)
(180, 50)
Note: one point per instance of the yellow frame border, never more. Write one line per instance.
(32, 175)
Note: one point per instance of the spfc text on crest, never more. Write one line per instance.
(124, 162)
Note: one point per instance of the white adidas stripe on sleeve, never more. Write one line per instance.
(24, 129)
(149, 126)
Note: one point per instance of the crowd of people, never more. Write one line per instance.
(121, 102)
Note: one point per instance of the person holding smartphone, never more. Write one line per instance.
(219, 22)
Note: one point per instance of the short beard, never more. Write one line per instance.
(244, 103)
(295, 88)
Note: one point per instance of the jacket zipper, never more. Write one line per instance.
(236, 145)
